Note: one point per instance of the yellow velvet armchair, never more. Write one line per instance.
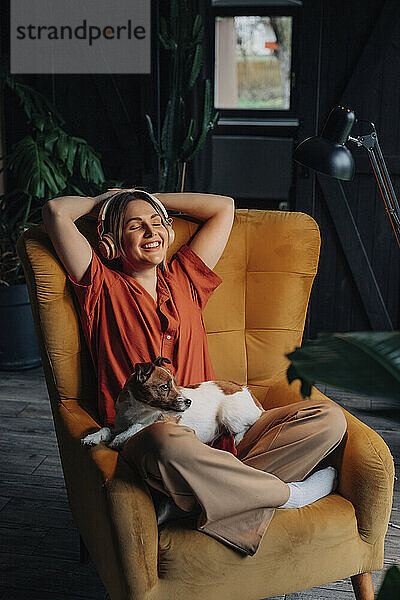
(253, 319)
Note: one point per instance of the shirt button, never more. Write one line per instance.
(168, 337)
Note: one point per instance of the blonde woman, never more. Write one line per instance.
(135, 306)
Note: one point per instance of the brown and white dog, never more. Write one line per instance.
(151, 394)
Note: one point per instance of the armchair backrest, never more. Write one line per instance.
(253, 319)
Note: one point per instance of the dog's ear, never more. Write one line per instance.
(161, 360)
(143, 371)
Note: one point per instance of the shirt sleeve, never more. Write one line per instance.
(88, 290)
(203, 280)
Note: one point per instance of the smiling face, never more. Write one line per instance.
(144, 237)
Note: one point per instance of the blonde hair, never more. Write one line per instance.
(115, 217)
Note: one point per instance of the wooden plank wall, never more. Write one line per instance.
(346, 28)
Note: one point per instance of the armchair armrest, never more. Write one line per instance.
(367, 478)
(367, 470)
(110, 504)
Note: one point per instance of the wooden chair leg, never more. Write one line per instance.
(84, 554)
(362, 586)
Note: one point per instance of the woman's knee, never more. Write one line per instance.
(335, 424)
(168, 440)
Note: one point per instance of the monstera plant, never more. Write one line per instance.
(366, 362)
(47, 162)
(181, 138)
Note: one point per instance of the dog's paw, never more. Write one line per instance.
(117, 442)
(103, 435)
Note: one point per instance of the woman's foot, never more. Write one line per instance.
(313, 488)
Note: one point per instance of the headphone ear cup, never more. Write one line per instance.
(107, 247)
(171, 232)
(171, 236)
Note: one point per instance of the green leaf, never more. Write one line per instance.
(49, 179)
(81, 160)
(197, 63)
(38, 121)
(50, 140)
(34, 168)
(390, 588)
(366, 363)
(72, 147)
(33, 102)
(197, 27)
(188, 144)
(96, 173)
(214, 120)
(208, 121)
(163, 27)
(61, 146)
(59, 176)
(79, 140)
(165, 42)
(165, 129)
(151, 134)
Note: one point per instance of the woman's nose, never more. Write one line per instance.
(149, 230)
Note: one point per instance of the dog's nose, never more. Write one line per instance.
(188, 402)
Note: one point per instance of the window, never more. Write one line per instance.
(253, 56)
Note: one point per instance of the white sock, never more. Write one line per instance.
(313, 488)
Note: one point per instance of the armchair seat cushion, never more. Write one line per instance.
(320, 542)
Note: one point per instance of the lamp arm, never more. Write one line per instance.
(371, 144)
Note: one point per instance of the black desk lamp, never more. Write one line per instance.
(328, 154)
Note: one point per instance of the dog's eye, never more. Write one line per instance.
(164, 386)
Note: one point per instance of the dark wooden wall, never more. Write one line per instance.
(333, 37)
(351, 53)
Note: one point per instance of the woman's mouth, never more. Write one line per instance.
(151, 246)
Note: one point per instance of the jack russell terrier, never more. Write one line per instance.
(151, 394)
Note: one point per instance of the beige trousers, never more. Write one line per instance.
(237, 496)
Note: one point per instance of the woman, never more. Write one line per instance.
(144, 307)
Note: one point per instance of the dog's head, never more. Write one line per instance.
(155, 386)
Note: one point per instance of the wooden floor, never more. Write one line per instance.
(39, 544)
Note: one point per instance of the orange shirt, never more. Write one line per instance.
(123, 325)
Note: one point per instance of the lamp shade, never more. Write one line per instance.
(327, 153)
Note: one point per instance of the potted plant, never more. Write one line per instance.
(46, 163)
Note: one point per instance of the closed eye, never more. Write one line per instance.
(139, 226)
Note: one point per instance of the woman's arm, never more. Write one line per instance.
(217, 212)
(75, 207)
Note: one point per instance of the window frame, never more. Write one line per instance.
(263, 11)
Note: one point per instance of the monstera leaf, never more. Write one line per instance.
(364, 362)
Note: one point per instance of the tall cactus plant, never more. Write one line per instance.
(181, 139)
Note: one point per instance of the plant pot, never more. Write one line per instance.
(18, 343)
